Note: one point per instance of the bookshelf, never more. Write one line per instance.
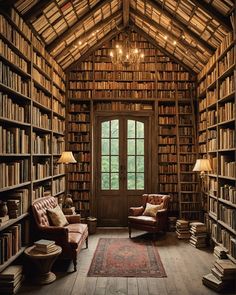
(217, 131)
(32, 123)
(159, 88)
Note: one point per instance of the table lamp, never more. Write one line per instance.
(202, 166)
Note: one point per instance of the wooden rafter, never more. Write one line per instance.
(156, 5)
(164, 31)
(126, 8)
(73, 28)
(154, 43)
(214, 13)
(96, 46)
(98, 26)
(36, 10)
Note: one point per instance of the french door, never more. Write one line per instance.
(121, 166)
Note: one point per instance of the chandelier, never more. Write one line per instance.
(126, 55)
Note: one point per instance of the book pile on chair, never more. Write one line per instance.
(172, 223)
(220, 253)
(222, 275)
(198, 232)
(11, 279)
(45, 246)
(182, 229)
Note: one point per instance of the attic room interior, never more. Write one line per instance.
(117, 147)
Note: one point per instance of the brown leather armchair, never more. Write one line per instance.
(70, 237)
(137, 220)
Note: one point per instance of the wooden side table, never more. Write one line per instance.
(44, 262)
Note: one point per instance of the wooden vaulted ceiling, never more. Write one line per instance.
(188, 30)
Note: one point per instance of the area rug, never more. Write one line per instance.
(120, 257)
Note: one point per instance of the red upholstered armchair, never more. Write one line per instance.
(71, 237)
(154, 224)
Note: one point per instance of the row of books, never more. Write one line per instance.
(56, 92)
(198, 231)
(228, 193)
(213, 206)
(226, 112)
(83, 156)
(40, 170)
(166, 120)
(58, 80)
(79, 185)
(14, 141)
(167, 168)
(41, 191)
(227, 215)
(58, 185)
(14, 173)
(13, 36)
(58, 108)
(58, 125)
(74, 137)
(211, 117)
(41, 144)
(227, 166)
(190, 207)
(13, 80)
(42, 80)
(227, 61)
(10, 242)
(167, 149)
(12, 110)
(41, 97)
(211, 77)
(227, 138)
(84, 196)
(79, 167)
(41, 63)
(58, 145)
(76, 176)
(79, 127)
(227, 86)
(41, 119)
(167, 157)
(80, 117)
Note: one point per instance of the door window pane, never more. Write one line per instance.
(105, 163)
(105, 129)
(140, 163)
(131, 146)
(131, 164)
(140, 130)
(131, 129)
(110, 155)
(131, 181)
(140, 181)
(140, 146)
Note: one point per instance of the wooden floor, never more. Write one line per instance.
(184, 266)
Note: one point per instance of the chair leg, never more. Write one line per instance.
(75, 261)
(130, 232)
(86, 243)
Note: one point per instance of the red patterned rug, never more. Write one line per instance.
(120, 257)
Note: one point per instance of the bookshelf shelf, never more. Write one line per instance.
(14, 257)
(13, 221)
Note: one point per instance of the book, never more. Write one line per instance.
(220, 276)
(225, 266)
(44, 243)
(4, 219)
(211, 281)
(11, 272)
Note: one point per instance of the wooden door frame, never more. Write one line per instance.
(150, 117)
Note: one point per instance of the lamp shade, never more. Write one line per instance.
(66, 158)
(202, 165)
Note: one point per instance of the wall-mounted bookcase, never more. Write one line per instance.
(159, 86)
(32, 123)
(217, 125)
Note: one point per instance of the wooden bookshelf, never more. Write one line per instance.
(217, 132)
(32, 124)
(160, 88)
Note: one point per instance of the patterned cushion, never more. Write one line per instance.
(56, 216)
(151, 210)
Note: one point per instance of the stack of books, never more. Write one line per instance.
(45, 246)
(220, 252)
(182, 229)
(4, 219)
(198, 232)
(11, 279)
(172, 223)
(222, 275)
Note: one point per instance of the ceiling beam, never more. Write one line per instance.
(73, 28)
(36, 10)
(96, 46)
(155, 44)
(164, 31)
(214, 13)
(98, 26)
(126, 8)
(156, 5)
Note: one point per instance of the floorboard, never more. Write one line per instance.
(184, 266)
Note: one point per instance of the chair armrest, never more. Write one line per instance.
(136, 211)
(161, 212)
(56, 233)
(73, 218)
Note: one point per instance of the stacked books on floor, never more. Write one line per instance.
(182, 229)
(222, 275)
(45, 246)
(220, 253)
(11, 279)
(172, 223)
(198, 232)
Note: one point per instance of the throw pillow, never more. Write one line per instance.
(57, 217)
(151, 210)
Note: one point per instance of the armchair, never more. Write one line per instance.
(139, 219)
(70, 237)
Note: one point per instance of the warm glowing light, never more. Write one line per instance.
(174, 42)
(80, 42)
(165, 37)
